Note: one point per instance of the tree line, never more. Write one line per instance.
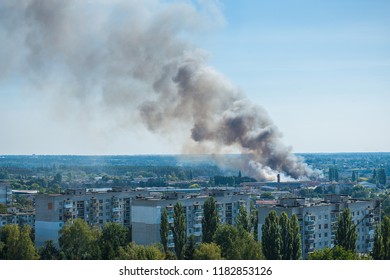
(281, 240)
(225, 241)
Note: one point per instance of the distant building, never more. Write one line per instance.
(95, 207)
(146, 213)
(318, 220)
(18, 218)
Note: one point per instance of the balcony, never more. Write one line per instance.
(197, 226)
(309, 232)
(198, 218)
(68, 205)
(308, 223)
(197, 233)
(309, 240)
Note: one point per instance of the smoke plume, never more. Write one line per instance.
(132, 61)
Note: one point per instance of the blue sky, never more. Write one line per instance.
(320, 68)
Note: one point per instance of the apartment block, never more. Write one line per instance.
(18, 218)
(318, 220)
(146, 213)
(96, 207)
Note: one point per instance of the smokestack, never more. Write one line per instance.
(129, 63)
(278, 176)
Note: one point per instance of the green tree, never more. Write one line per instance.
(113, 236)
(286, 236)
(267, 195)
(208, 251)
(3, 174)
(9, 235)
(25, 247)
(3, 208)
(189, 248)
(225, 237)
(2, 246)
(271, 238)
(179, 229)
(336, 253)
(361, 192)
(296, 243)
(354, 176)
(164, 230)
(381, 177)
(134, 251)
(381, 250)
(49, 251)
(377, 252)
(209, 220)
(78, 241)
(242, 219)
(249, 248)
(333, 174)
(373, 178)
(237, 244)
(254, 219)
(57, 178)
(346, 234)
(17, 243)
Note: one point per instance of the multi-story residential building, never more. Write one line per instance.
(96, 207)
(146, 213)
(18, 218)
(318, 220)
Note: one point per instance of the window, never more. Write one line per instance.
(326, 234)
(326, 217)
(319, 226)
(319, 217)
(50, 206)
(326, 226)
(319, 235)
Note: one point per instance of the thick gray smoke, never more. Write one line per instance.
(132, 61)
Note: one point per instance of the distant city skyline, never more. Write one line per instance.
(321, 69)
